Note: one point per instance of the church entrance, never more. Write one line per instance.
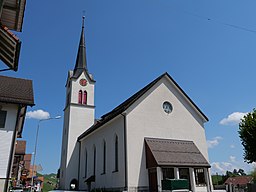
(73, 185)
(152, 174)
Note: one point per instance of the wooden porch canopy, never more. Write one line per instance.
(168, 152)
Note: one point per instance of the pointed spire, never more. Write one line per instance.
(81, 63)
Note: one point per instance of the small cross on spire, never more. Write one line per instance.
(83, 18)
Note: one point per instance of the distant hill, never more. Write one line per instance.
(50, 181)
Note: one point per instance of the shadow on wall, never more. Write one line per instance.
(143, 172)
(72, 169)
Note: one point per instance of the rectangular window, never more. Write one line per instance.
(2, 118)
(200, 177)
(168, 173)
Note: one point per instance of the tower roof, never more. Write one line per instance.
(81, 63)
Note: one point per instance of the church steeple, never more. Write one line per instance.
(81, 63)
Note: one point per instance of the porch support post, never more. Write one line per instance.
(159, 178)
(192, 179)
(207, 179)
(176, 173)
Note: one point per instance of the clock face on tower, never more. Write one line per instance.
(83, 82)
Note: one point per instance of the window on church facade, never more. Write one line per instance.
(104, 158)
(116, 153)
(3, 115)
(85, 166)
(94, 160)
(200, 177)
(80, 97)
(85, 98)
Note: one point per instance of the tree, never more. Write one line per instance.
(253, 174)
(241, 172)
(247, 134)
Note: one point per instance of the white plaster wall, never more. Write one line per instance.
(64, 148)
(6, 135)
(77, 119)
(107, 133)
(146, 118)
(2, 182)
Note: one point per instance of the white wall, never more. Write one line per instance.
(6, 135)
(77, 119)
(146, 118)
(107, 132)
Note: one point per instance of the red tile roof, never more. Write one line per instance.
(239, 180)
(20, 147)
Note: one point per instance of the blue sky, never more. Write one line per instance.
(208, 47)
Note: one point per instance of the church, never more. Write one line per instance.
(156, 135)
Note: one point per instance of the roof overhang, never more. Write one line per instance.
(9, 48)
(176, 153)
(12, 14)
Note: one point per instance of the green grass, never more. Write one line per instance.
(50, 181)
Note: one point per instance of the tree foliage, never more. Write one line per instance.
(247, 134)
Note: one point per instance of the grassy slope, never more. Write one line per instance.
(50, 181)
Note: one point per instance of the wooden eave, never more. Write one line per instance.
(13, 14)
(9, 48)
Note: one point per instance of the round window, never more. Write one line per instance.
(167, 106)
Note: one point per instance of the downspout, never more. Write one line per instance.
(12, 150)
(125, 151)
(78, 174)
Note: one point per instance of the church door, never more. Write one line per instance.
(152, 178)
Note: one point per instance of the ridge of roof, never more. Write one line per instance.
(128, 102)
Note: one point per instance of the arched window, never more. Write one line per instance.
(85, 166)
(94, 160)
(116, 153)
(80, 97)
(104, 158)
(85, 98)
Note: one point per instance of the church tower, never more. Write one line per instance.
(78, 115)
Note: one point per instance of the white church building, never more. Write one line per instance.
(155, 135)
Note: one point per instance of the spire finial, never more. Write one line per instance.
(83, 19)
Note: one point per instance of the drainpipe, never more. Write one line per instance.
(78, 174)
(125, 151)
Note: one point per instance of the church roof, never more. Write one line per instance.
(127, 103)
(81, 62)
(169, 152)
(15, 90)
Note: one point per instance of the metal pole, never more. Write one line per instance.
(34, 157)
